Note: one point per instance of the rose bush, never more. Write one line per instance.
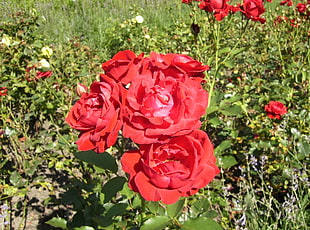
(275, 109)
(97, 115)
(169, 171)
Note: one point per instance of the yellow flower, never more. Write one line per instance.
(46, 51)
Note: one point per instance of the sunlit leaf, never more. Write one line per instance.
(156, 223)
(57, 222)
(103, 160)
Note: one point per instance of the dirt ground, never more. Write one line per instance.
(39, 205)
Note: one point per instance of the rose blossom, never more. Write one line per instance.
(275, 109)
(159, 105)
(169, 171)
(3, 91)
(175, 65)
(97, 115)
(287, 2)
(43, 74)
(253, 9)
(220, 8)
(301, 7)
(123, 67)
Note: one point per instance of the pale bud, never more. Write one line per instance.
(80, 89)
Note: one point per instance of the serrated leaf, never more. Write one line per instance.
(229, 64)
(104, 160)
(57, 222)
(222, 147)
(156, 223)
(200, 206)
(233, 110)
(201, 223)
(228, 161)
(112, 187)
(152, 206)
(211, 109)
(174, 210)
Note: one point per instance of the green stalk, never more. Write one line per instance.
(217, 48)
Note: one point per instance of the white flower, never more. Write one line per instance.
(44, 64)
(147, 36)
(6, 40)
(139, 19)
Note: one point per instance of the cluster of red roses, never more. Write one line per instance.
(302, 8)
(157, 102)
(252, 9)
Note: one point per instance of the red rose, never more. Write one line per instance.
(159, 105)
(253, 9)
(220, 8)
(301, 7)
(45, 74)
(98, 115)
(173, 65)
(286, 2)
(168, 171)
(123, 67)
(3, 91)
(275, 109)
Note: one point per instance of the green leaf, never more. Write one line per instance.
(107, 220)
(237, 51)
(57, 222)
(211, 109)
(201, 223)
(17, 180)
(152, 206)
(84, 228)
(228, 161)
(229, 64)
(224, 50)
(210, 214)
(112, 187)
(201, 205)
(156, 223)
(303, 149)
(233, 110)
(174, 210)
(222, 147)
(104, 160)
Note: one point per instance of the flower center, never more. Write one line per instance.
(158, 102)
